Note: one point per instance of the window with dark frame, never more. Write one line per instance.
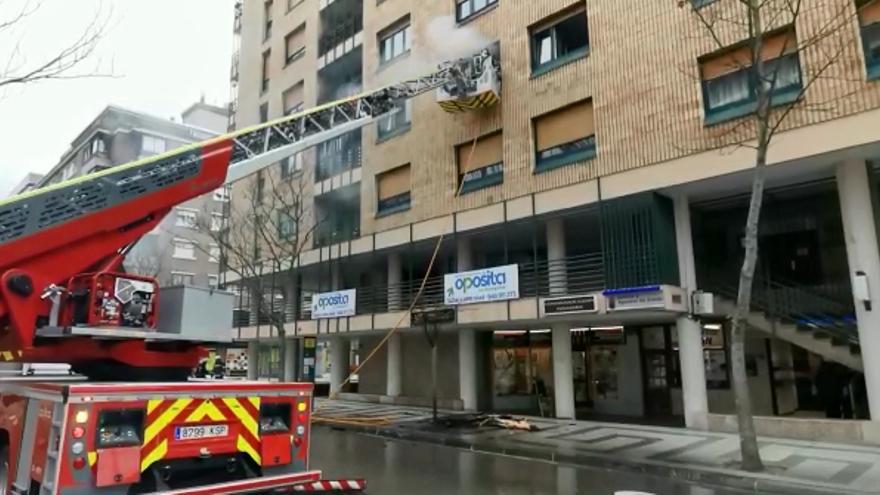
(395, 41)
(267, 19)
(729, 81)
(465, 9)
(393, 191)
(264, 113)
(286, 225)
(291, 165)
(295, 44)
(264, 74)
(559, 41)
(480, 164)
(869, 23)
(292, 98)
(565, 136)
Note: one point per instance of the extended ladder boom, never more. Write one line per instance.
(53, 240)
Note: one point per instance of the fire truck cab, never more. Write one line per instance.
(79, 438)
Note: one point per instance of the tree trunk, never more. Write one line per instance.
(748, 439)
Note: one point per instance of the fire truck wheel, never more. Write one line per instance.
(4, 470)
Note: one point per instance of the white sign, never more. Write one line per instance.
(489, 284)
(333, 304)
(637, 300)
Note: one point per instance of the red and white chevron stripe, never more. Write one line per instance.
(331, 486)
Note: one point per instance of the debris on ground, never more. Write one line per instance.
(480, 420)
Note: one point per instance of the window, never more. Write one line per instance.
(68, 171)
(291, 165)
(565, 136)
(214, 253)
(869, 20)
(292, 98)
(560, 42)
(152, 145)
(465, 9)
(213, 281)
(286, 225)
(184, 249)
(98, 146)
(396, 123)
(395, 41)
(218, 221)
(480, 165)
(729, 83)
(393, 190)
(295, 44)
(264, 113)
(267, 19)
(221, 194)
(260, 186)
(181, 278)
(264, 74)
(186, 218)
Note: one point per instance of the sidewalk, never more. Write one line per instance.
(793, 466)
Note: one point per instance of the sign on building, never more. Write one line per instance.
(651, 297)
(570, 305)
(334, 304)
(499, 283)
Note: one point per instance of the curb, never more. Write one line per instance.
(740, 480)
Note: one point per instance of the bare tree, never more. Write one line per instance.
(752, 37)
(268, 225)
(64, 63)
(147, 258)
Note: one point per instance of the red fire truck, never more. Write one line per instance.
(134, 424)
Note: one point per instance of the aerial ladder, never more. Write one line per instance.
(64, 297)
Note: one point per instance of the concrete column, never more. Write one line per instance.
(291, 358)
(563, 374)
(467, 367)
(464, 255)
(253, 355)
(395, 277)
(339, 354)
(690, 332)
(556, 256)
(395, 368)
(860, 232)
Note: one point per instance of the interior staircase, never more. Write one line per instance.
(819, 319)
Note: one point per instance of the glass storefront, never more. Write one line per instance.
(522, 371)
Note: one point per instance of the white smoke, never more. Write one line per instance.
(441, 40)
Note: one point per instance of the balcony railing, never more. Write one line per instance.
(337, 33)
(574, 275)
(337, 156)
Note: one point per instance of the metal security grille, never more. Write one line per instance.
(32, 213)
(638, 241)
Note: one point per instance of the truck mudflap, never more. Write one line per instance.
(267, 484)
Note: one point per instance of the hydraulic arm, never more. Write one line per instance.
(61, 246)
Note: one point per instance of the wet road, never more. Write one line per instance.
(399, 467)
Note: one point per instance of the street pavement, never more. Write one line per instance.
(793, 466)
(400, 467)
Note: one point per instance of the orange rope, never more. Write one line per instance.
(415, 300)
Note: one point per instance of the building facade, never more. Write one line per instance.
(605, 188)
(28, 182)
(178, 251)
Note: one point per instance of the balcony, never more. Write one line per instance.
(233, 70)
(339, 155)
(236, 23)
(339, 216)
(340, 37)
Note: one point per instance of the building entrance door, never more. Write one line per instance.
(657, 369)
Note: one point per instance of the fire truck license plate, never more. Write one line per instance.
(194, 432)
